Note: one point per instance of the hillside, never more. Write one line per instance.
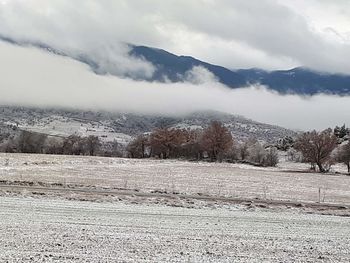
(300, 81)
(124, 126)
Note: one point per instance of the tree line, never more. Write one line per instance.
(34, 142)
(214, 143)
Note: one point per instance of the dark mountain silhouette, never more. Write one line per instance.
(173, 68)
(301, 81)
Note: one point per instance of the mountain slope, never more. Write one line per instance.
(173, 68)
(300, 81)
(123, 126)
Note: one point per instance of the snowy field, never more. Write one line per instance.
(226, 180)
(44, 230)
(93, 209)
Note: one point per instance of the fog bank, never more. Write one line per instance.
(31, 77)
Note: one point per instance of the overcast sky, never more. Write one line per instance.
(269, 34)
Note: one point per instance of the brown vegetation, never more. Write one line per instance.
(317, 148)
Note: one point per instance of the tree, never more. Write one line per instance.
(271, 157)
(8, 146)
(341, 132)
(112, 149)
(92, 144)
(73, 145)
(243, 150)
(137, 147)
(257, 153)
(216, 140)
(344, 155)
(285, 143)
(54, 146)
(31, 142)
(165, 140)
(317, 147)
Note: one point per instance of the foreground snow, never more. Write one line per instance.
(38, 230)
(92, 209)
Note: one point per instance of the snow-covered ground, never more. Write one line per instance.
(61, 126)
(76, 221)
(227, 180)
(47, 230)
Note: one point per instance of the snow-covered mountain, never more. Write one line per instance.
(124, 126)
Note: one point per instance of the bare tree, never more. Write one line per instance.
(73, 145)
(8, 146)
(192, 148)
(164, 141)
(137, 147)
(317, 147)
(243, 150)
(245, 147)
(257, 153)
(54, 146)
(31, 142)
(271, 157)
(344, 155)
(233, 154)
(216, 140)
(92, 144)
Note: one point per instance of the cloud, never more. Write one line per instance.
(199, 75)
(35, 78)
(77, 32)
(270, 34)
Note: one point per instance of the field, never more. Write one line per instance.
(91, 209)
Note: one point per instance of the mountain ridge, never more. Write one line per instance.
(173, 68)
(124, 126)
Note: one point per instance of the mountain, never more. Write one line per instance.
(124, 126)
(173, 68)
(301, 81)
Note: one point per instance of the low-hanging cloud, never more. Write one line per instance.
(269, 34)
(36, 78)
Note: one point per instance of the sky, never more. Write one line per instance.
(268, 34)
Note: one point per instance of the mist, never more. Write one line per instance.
(273, 34)
(31, 77)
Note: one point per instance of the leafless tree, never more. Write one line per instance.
(137, 147)
(73, 145)
(257, 153)
(243, 150)
(164, 142)
(271, 157)
(31, 142)
(216, 140)
(344, 155)
(111, 149)
(317, 147)
(92, 144)
(54, 146)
